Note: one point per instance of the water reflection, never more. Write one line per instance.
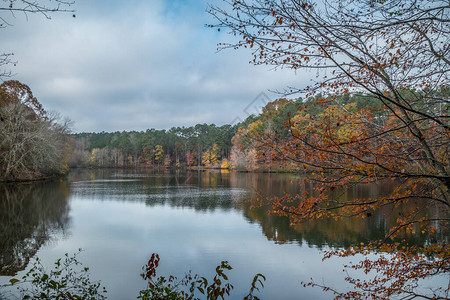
(30, 215)
(193, 220)
(208, 191)
(327, 232)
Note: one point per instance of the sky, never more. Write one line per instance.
(138, 64)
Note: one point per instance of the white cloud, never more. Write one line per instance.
(136, 65)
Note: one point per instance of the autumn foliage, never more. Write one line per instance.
(391, 57)
(32, 141)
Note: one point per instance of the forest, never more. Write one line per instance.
(239, 147)
(199, 145)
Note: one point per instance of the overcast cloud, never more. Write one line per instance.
(134, 65)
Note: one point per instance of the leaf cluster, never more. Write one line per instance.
(67, 280)
(191, 285)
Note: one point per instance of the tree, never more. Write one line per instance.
(167, 161)
(9, 9)
(189, 158)
(210, 157)
(14, 92)
(225, 164)
(32, 142)
(206, 158)
(395, 52)
(159, 154)
(214, 154)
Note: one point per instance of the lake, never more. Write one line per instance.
(193, 220)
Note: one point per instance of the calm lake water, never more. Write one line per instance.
(192, 220)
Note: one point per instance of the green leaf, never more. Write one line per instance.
(53, 284)
(13, 280)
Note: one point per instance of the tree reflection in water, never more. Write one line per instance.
(211, 190)
(30, 215)
(33, 214)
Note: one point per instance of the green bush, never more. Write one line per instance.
(67, 280)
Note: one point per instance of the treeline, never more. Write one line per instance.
(261, 142)
(36, 144)
(199, 145)
(240, 146)
(33, 142)
(271, 141)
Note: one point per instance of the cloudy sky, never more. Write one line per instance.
(138, 64)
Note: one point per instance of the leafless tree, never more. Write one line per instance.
(31, 140)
